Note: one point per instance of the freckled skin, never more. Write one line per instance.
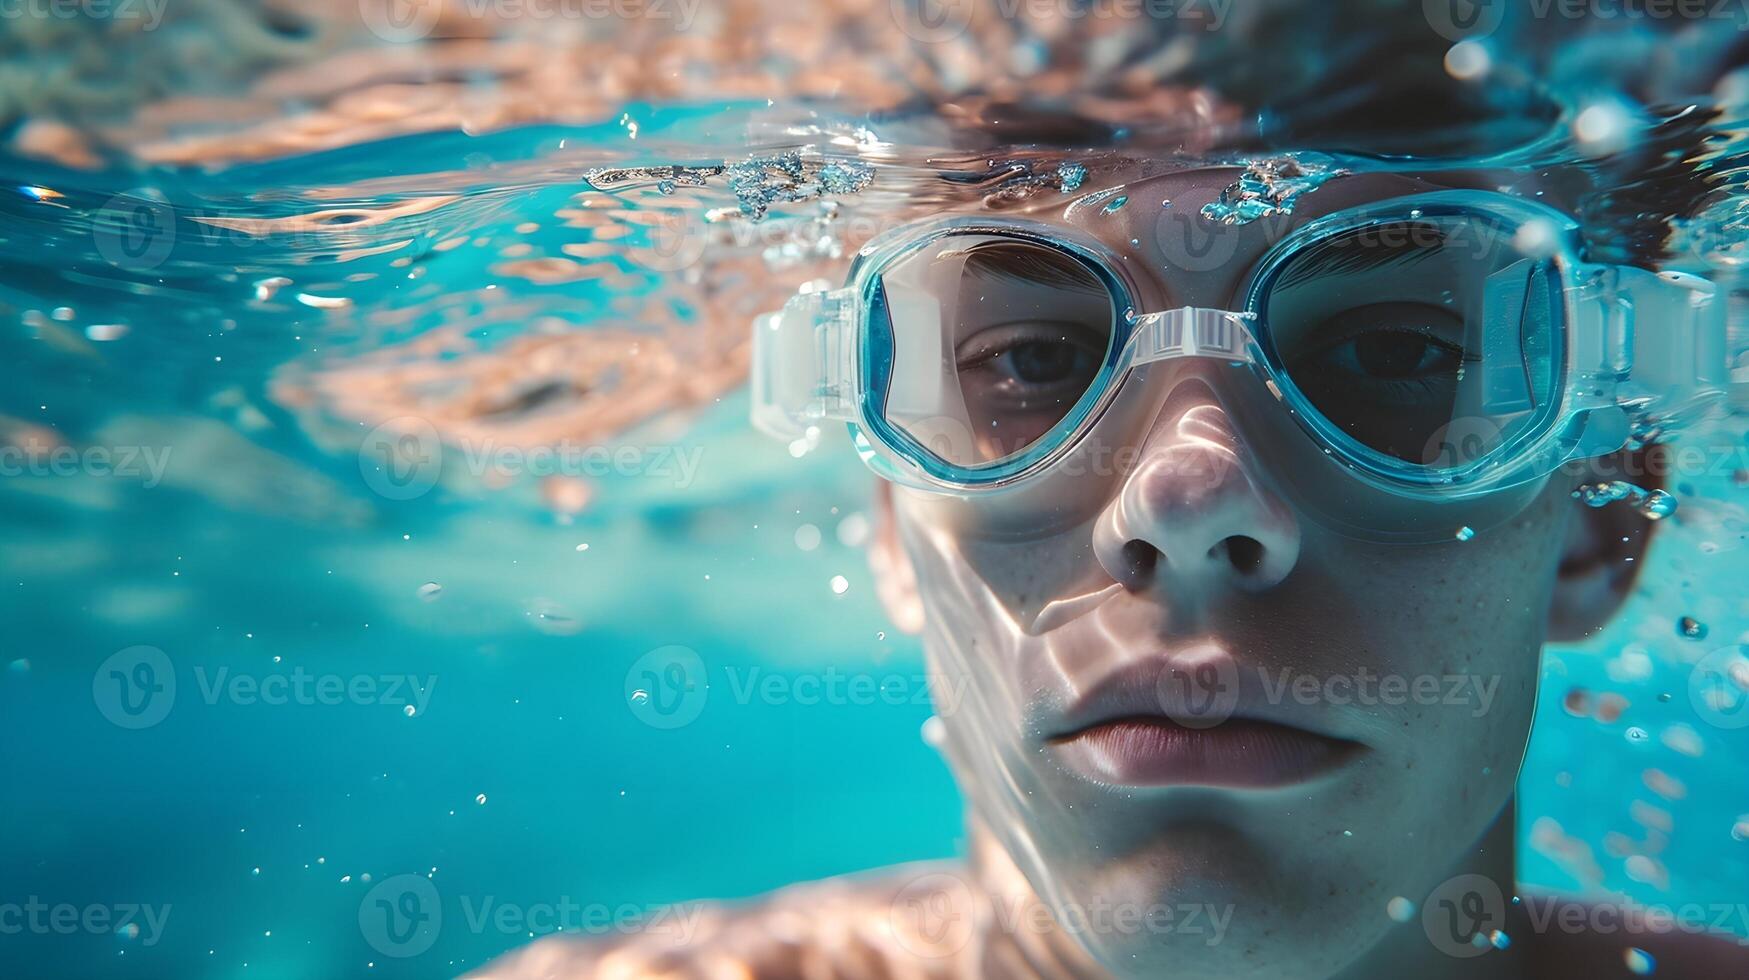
(1428, 799)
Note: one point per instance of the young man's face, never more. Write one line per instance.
(1183, 697)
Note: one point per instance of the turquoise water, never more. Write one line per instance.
(537, 770)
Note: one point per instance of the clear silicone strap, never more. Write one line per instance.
(802, 363)
(1677, 334)
(1190, 331)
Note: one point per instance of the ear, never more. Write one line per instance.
(1604, 550)
(895, 577)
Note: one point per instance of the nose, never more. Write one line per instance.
(1193, 515)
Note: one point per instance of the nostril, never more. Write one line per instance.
(1245, 554)
(1139, 559)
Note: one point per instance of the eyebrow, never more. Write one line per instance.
(1409, 242)
(1031, 265)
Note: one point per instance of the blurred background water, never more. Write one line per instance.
(371, 404)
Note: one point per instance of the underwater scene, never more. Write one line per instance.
(403, 578)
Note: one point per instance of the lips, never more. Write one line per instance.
(1191, 719)
(1239, 753)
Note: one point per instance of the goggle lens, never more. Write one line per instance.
(1433, 341)
(994, 341)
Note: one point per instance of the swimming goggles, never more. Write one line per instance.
(1437, 346)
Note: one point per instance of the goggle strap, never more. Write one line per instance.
(1676, 329)
(802, 364)
(1190, 331)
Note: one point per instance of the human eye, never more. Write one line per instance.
(1396, 349)
(1029, 365)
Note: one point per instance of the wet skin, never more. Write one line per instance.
(1203, 542)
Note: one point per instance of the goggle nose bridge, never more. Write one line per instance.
(1190, 331)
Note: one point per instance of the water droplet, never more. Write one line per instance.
(640, 696)
(409, 711)
(1499, 939)
(880, 634)
(1639, 962)
(1691, 628)
(481, 799)
(255, 873)
(430, 591)
(583, 547)
(1070, 176)
(1637, 734)
(1115, 203)
(840, 585)
(1465, 533)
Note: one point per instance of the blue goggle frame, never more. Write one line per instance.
(827, 356)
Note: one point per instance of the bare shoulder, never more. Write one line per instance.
(851, 927)
(1601, 941)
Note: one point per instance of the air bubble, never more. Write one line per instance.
(1653, 505)
(430, 591)
(1465, 533)
(1691, 628)
(1639, 962)
(640, 696)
